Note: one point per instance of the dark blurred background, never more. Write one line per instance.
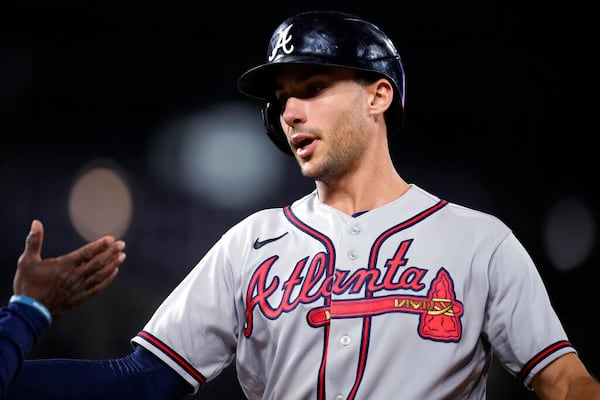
(124, 118)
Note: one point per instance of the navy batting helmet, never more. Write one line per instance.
(328, 38)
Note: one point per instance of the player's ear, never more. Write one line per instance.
(381, 95)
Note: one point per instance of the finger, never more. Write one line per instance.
(102, 265)
(87, 252)
(101, 284)
(103, 275)
(33, 242)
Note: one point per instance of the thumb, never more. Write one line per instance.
(34, 240)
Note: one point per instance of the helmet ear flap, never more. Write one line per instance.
(270, 115)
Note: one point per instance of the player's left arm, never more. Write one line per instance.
(566, 378)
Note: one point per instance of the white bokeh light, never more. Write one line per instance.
(221, 155)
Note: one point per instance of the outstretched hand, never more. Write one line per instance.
(63, 283)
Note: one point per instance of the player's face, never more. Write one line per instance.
(324, 116)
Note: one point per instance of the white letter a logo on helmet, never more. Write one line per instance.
(282, 42)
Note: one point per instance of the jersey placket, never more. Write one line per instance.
(346, 334)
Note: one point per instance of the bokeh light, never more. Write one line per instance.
(220, 155)
(100, 201)
(570, 233)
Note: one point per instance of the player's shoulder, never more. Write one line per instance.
(266, 219)
(467, 215)
(261, 217)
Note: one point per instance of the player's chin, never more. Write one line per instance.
(310, 169)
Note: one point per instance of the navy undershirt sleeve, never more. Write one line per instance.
(137, 376)
(20, 326)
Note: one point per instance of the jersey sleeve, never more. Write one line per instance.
(195, 329)
(138, 376)
(521, 323)
(20, 326)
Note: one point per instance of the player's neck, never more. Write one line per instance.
(362, 192)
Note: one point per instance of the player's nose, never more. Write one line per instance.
(294, 112)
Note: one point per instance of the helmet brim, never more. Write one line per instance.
(259, 82)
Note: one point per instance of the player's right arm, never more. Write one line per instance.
(566, 378)
(138, 376)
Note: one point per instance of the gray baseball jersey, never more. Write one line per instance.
(411, 299)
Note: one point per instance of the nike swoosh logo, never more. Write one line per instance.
(260, 243)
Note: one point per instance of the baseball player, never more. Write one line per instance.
(368, 287)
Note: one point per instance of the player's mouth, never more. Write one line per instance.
(304, 145)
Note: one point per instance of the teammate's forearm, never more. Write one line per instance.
(20, 327)
(137, 376)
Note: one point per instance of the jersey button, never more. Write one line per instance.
(345, 340)
(339, 397)
(355, 230)
(352, 254)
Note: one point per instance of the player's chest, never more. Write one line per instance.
(355, 259)
(359, 272)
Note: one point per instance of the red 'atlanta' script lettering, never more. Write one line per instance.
(311, 282)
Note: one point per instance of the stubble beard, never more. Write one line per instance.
(340, 158)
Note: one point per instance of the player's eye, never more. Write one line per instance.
(281, 99)
(313, 90)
